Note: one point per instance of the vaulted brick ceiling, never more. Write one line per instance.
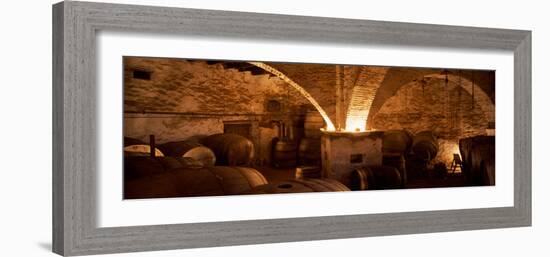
(364, 88)
(398, 77)
(320, 81)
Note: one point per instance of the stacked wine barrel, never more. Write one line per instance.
(147, 166)
(309, 149)
(141, 167)
(186, 168)
(375, 177)
(425, 145)
(313, 123)
(284, 154)
(136, 147)
(398, 162)
(300, 186)
(230, 149)
(191, 150)
(424, 149)
(396, 144)
(185, 182)
(478, 159)
(304, 172)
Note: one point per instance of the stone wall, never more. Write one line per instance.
(396, 77)
(184, 99)
(181, 86)
(338, 150)
(447, 110)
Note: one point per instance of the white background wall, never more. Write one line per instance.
(25, 130)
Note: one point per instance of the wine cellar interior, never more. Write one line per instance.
(212, 128)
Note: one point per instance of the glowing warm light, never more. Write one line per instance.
(360, 103)
(455, 149)
(356, 123)
(330, 126)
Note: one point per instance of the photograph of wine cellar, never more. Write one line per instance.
(213, 128)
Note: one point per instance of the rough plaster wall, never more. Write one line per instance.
(446, 110)
(166, 128)
(182, 86)
(189, 98)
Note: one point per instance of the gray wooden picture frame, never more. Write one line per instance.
(74, 130)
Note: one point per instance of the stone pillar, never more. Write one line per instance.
(343, 152)
(339, 98)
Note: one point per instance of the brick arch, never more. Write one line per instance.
(480, 96)
(367, 82)
(300, 89)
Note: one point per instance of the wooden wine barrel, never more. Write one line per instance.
(230, 149)
(425, 145)
(416, 167)
(360, 179)
(309, 151)
(146, 166)
(386, 177)
(207, 181)
(301, 186)
(136, 167)
(284, 154)
(397, 161)
(396, 141)
(190, 149)
(190, 163)
(467, 146)
(478, 159)
(304, 172)
(313, 123)
(464, 146)
(375, 177)
(170, 163)
(487, 169)
(136, 147)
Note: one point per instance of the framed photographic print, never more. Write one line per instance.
(183, 128)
